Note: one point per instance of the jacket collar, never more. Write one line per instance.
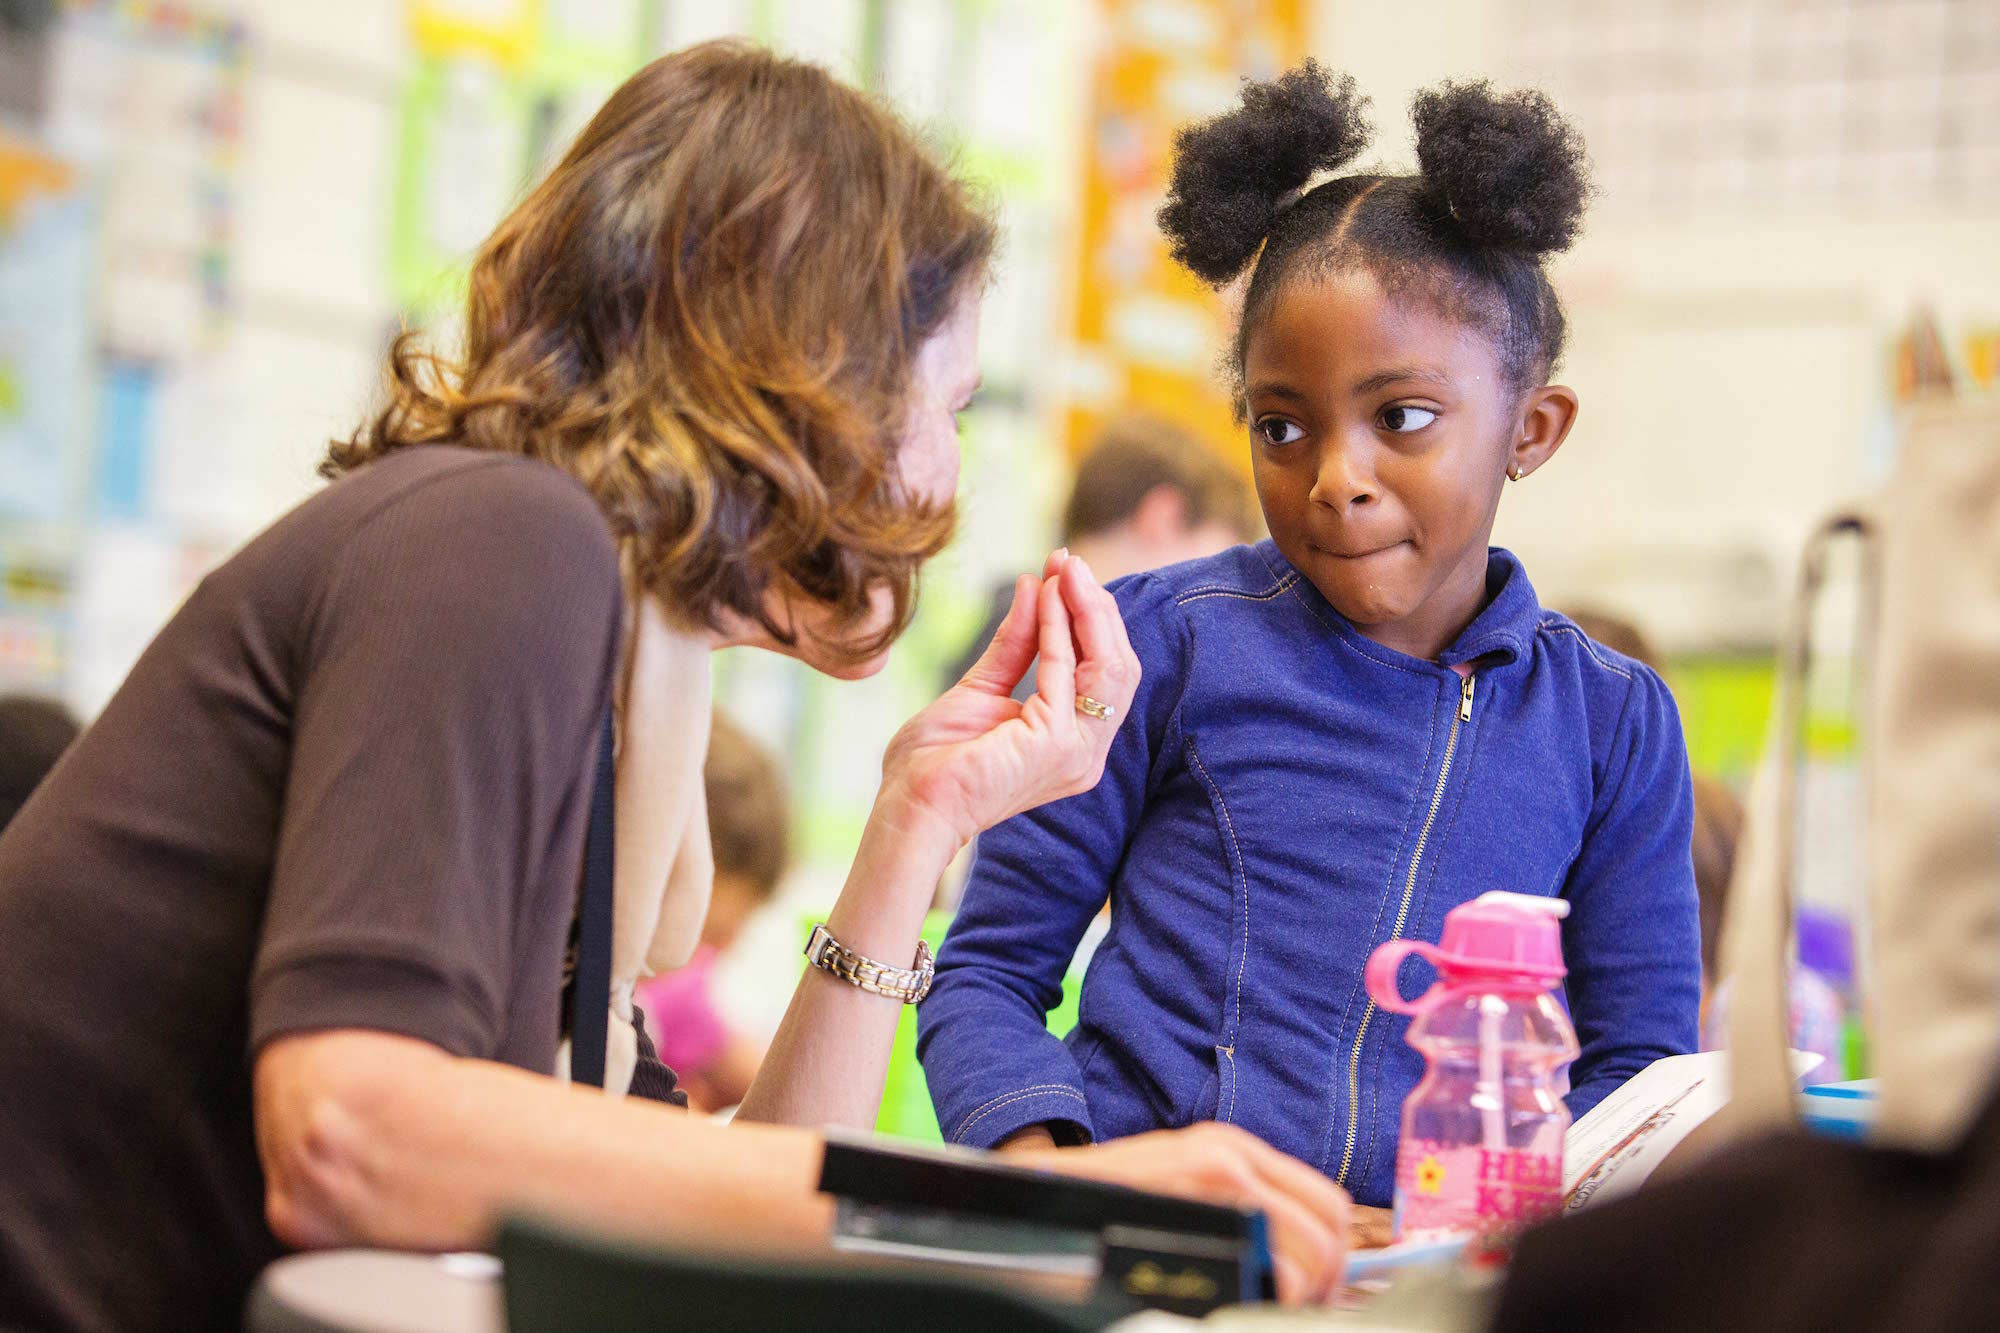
(1501, 632)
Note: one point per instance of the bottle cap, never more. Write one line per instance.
(1516, 933)
(1511, 937)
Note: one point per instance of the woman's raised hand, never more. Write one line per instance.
(977, 756)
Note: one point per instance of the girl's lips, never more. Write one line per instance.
(1361, 554)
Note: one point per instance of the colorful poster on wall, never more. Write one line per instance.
(44, 336)
(148, 95)
(1147, 335)
(502, 31)
(464, 157)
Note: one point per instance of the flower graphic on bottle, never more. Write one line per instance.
(1430, 1175)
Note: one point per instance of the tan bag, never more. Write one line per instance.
(1930, 688)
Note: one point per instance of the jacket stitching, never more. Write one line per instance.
(1277, 580)
(1601, 801)
(1242, 874)
(1025, 1094)
(1198, 594)
(1346, 640)
(1157, 763)
(1588, 647)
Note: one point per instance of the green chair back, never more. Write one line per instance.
(557, 1280)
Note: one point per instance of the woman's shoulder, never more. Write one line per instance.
(421, 532)
(451, 481)
(446, 506)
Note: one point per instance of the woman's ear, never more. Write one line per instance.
(1546, 417)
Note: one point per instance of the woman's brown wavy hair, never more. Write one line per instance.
(709, 312)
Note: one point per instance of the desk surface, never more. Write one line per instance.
(382, 1291)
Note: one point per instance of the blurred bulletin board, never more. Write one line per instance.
(44, 335)
(117, 286)
(497, 88)
(1702, 102)
(149, 94)
(500, 88)
(1148, 335)
(44, 387)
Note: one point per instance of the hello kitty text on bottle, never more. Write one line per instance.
(1482, 1134)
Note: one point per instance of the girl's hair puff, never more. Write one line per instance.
(1502, 181)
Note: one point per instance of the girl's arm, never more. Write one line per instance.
(1632, 941)
(994, 1070)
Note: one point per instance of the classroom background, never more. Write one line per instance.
(215, 215)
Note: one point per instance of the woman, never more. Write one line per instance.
(284, 934)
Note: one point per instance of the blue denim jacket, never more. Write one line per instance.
(1285, 795)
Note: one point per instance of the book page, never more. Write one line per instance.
(1619, 1142)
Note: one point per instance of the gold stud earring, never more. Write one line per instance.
(1513, 472)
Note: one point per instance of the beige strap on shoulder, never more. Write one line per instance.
(1931, 749)
(1757, 923)
(664, 869)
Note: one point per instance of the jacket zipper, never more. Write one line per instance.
(1461, 717)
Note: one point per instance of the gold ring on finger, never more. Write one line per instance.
(1096, 708)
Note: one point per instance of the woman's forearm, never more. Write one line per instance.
(828, 1062)
(373, 1139)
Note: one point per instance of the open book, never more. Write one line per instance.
(1619, 1142)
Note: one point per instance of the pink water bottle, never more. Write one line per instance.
(1482, 1138)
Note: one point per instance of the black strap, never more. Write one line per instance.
(590, 990)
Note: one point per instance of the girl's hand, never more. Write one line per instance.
(976, 757)
(1372, 1228)
(1216, 1163)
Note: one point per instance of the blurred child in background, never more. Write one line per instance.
(749, 814)
(1147, 493)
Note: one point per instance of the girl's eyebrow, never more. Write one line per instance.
(1273, 389)
(1382, 379)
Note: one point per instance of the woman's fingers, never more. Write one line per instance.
(1055, 677)
(1222, 1164)
(1007, 659)
(1326, 1200)
(1308, 1213)
(1323, 1232)
(1301, 1238)
(1292, 1283)
(1107, 668)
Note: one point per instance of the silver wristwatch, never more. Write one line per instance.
(908, 984)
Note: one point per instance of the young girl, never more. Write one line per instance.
(1347, 730)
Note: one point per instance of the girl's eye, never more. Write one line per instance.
(1277, 430)
(1403, 419)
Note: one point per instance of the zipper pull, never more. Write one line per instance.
(1465, 700)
